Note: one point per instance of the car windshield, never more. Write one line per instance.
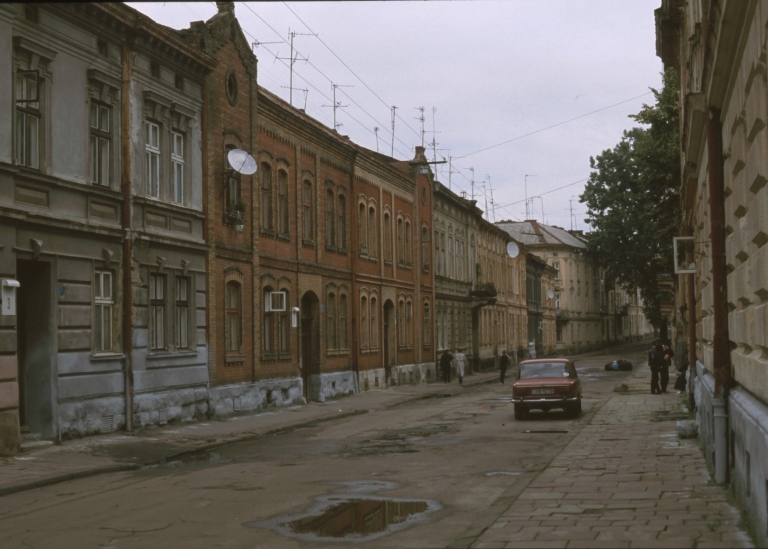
(543, 369)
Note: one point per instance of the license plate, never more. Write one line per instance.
(543, 392)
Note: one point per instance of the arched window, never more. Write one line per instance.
(233, 313)
(307, 206)
(343, 344)
(373, 247)
(283, 331)
(409, 322)
(342, 213)
(282, 201)
(401, 322)
(443, 266)
(268, 326)
(451, 270)
(330, 322)
(363, 322)
(427, 325)
(374, 324)
(330, 218)
(408, 247)
(266, 196)
(387, 237)
(400, 242)
(361, 229)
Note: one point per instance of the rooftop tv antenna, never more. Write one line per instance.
(336, 104)
(493, 206)
(294, 57)
(393, 131)
(527, 216)
(421, 119)
(472, 183)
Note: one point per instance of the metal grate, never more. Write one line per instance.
(107, 424)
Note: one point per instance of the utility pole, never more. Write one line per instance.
(336, 104)
(392, 154)
(570, 202)
(527, 216)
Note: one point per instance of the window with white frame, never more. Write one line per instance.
(103, 304)
(156, 312)
(177, 166)
(182, 312)
(28, 119)
(100, 142)
(152, 158)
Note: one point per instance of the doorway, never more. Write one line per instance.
(310, 340)
(36, 356)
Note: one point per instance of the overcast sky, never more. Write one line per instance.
(510, 87)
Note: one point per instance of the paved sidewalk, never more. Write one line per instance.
(126, 451)
(626, 480)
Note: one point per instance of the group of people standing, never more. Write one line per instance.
(448, 361)
(659, 360)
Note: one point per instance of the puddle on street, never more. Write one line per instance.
(196, 460)
(351, 515)
(359, 517)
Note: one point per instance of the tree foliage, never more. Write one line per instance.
(632, 198)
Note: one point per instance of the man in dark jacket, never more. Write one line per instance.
(445, 365)
(504, 364)
(654, 357)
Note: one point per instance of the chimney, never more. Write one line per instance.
(225, 7)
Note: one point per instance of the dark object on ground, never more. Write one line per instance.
(619, 364)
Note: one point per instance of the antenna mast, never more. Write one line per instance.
(527, 216)
(294, 58)
(421, 119)
(393, 131)
(376, 131)
(493, 205)
(472, 183)
(336, 104)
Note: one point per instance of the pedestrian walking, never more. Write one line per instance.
(460, 359)
(664, 364)
(445, 365)
(653, 361)
(504, 364)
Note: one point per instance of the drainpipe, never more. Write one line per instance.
(720, 351)
(126, 214)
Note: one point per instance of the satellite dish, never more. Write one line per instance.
(241, 162)
(513, 249)
(550, 294)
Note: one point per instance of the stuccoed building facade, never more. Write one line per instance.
(102, 227)
(577, 283)
(719, 51)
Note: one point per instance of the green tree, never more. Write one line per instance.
(632, 199)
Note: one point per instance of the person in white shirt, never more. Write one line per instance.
(460, 358)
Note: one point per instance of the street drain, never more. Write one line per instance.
(350, 519)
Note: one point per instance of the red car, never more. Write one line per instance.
(544, 384)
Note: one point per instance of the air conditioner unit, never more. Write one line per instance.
(275, 302)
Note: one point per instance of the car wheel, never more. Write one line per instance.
(574, 410)
(520, 412)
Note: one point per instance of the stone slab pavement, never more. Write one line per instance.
(625, 480)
